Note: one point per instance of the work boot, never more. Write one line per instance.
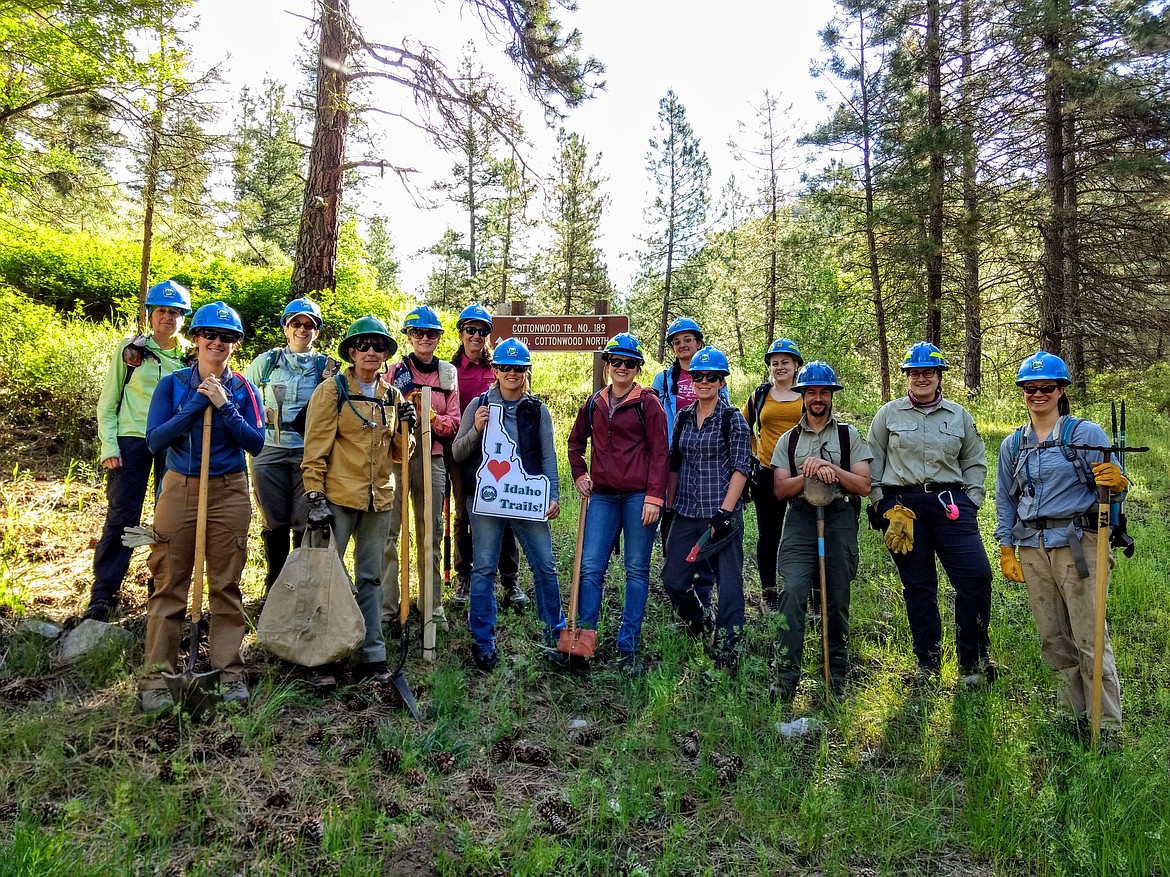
(462, 591)
(579, 665)
(235, 692)
(985, 674)
(782, 691)
(558, 660)
(98, 610)
(629, 665)
(485, 662)
(515, 597)
(771, 601)
(837, 688)
(372, 671)
(155, 700)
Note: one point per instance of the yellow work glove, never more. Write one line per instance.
(900, 532)
(1008, 563)
(1109, 475)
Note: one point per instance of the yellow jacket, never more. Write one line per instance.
(351, 447)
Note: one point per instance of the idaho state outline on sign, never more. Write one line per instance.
(502, 488)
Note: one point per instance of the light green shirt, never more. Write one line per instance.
(913, 446)
(824, 445)
(130, 419)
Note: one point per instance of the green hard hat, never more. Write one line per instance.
(367, 325)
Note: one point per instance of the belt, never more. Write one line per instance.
(1086, 521)
(928, 487)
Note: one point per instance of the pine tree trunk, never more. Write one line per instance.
(149, 195)
(969, 237)
(1052, 230)
(1072, 258)
(316, 257)
(934, 252)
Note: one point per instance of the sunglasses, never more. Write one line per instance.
(706, 377)
(364, 344)
(429, 334)
(682, 339)
(1044, 390)
(216, 335)
(618, 362)
(509, 369)
(301, 324)
(476, 330)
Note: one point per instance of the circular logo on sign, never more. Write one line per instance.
(488, 494)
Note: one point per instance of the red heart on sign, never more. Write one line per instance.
(499, 468)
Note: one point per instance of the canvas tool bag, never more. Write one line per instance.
(310, 616)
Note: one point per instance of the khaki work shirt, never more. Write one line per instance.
(912, 446)
(824, 445)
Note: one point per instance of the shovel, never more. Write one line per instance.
(397, 677)
(575, 641)
(818, 494)
(193, 691)
(278, 393)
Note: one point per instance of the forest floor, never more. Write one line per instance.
(532, 771)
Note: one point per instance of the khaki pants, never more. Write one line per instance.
(437, 472)
(1064, 605)
(172, 560)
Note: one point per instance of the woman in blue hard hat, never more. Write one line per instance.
(710, 458)
(626, 483)
(421, 368)
(928, 470)
(175, 426)
(287, 377)
(138, 364)
(528, 424)
(772, 410)
(1045, 505)
(353, 449)
(473, 365)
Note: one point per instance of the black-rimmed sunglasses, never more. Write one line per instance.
(476, 330)
(509, 369)
(216, 335)
(364, 344)
(706, 377)
(429, 334)
(619, 362)
(1046, 389)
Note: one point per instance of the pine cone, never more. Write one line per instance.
(528, 753)
(587, 736)
(312, 831)
(554, 805)
(556, 825)
(316, 737)
(9, 810)
(392, 809)
(415, 777)
(443, 762)
(279, 798)
(166, 736)
(166, 772)
(501, 750)
(688, 804)
(391, 758)
(259, 828)
(351, 755)
(479, 782)
(364, 727)
(229, 746)
(726, 775)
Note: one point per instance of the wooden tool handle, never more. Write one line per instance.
(426, 571)
(201, 521)
(404, 548)
(575, 588)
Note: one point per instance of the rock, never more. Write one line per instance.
(802, 727)
(91, 636)
(36, 627)
(579, 724)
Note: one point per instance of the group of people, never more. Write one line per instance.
(674, 457)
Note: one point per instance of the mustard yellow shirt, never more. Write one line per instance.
(775, 419)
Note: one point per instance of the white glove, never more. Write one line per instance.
(132, 537)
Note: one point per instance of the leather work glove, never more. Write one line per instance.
(1009, 564)
(132, 537)
(1109, 475)
(900, 532)
(720, 525)
(407, 415)
(320, 518)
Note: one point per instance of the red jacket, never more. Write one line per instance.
(625, 457)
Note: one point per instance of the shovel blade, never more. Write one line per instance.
(196, 693)
(405, 694)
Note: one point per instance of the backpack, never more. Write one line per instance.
(274, 356)
(1061, 441)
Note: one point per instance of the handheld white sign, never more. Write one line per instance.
(502, 488)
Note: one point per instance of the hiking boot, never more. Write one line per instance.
(782, 691)
(515, 597)
(98, 610)
(771, 601)
(462, 591)
(320, 679)
(155, 700)
(837, 689)
(927, 676)
(372, 671)
(485, 662)
(235, 692)
(629, 665)
(559, 660)
(980, 677)
(579, 665)
(1108, 741)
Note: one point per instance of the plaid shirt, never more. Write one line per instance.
(706, 463)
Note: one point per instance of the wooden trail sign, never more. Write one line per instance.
(553, 333)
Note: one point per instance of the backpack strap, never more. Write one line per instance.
(756, 405)
(843, 440)
(255, 403)
(793, 438)
(269, 365)
(679, 423)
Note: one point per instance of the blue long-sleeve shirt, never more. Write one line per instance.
(1035, 484)
(175, 422)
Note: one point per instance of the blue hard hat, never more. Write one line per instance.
(683, 324)
(301, 306)
(218, 315)
(1043, 366)
(422, 317)
(923, 354)
(708, 359)
(624, 344)
(511, 351)
(817, 374)
(474, 312)
(169, 294)
(784, 345)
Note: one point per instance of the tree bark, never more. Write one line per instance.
(969, 236)
(316, 257)
(934, 236)
(149, 195)
(1052, 291)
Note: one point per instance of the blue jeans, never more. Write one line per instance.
(125, 493)
(369, 531)
(609, 514)
(535, 540)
